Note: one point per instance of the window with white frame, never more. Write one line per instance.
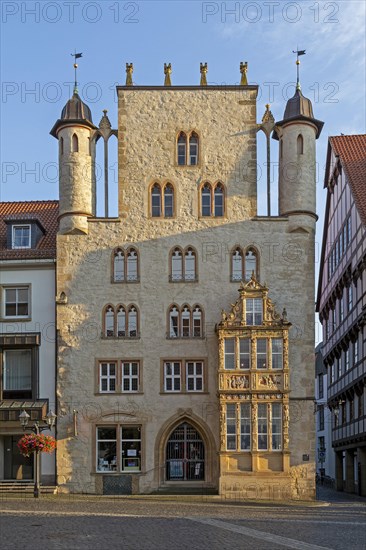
(120, 322)
(130, 376)
(193, 149)
(162, 200)
(21, 236)
(174, 322)
(125, 265)
(194, 376)
(185, 322)
(107, 377)
(16, 301)
(177, 265)
(212, 200)
(181, 149)
(172, 376)
(183, 264)
(254, 311)
(237, 265)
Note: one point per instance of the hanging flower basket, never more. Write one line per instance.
(32, 443)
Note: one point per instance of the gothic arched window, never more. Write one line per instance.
(251, 263)
(300, 145)
(75, 143)
(219, 200)
(168, 201)
(176, 264)
(121, 322)
(108, 321)
(156, 201)
(132, 322)
(119, 265)
(182, 149)
(237, 264)
(193, 149)
(206, 199)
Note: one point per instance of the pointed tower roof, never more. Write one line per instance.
(299, 108)
(74, 112)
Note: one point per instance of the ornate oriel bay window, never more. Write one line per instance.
(253, 383)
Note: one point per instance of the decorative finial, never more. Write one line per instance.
(129, 71)
(104, 121)
(298, 53)
(76, 56)
(203, 70)
(167, 72)
(268, 117)
(243, 71)
(284, 315)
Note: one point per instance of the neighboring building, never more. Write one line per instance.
(342, 305)
(27, 329)
(158, 387)
(323, 427)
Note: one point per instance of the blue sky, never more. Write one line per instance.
(37, 74)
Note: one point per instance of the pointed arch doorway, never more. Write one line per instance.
(185, 454)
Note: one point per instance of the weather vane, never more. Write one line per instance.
(76, 56)
(298, 53)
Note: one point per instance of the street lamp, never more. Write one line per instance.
(37, 429)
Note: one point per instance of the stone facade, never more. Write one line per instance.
(149, 122)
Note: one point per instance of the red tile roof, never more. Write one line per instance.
(352, 154)
(45, 212)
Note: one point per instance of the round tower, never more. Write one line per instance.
(297, 133)
(74, 131)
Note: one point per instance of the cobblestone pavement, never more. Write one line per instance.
(181, 522)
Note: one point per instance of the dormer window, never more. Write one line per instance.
(21, 236)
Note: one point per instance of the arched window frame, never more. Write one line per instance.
(126, 276)
(181, 149)
(300, 144)
(155, 200)
(75, 143)
(136, 329)
(185, 321)
(193, 149)
(206, 200)
(183, 274)
(187, 277)
(173, 328)
(211, 207)
(197, 331)
(188, 148)
(162, 202)
(168, 200)
(108, 327)
(135, 276)
(247, 276)
(215, 205)
(185, 325)
(176, 275)
(119, 255)
(237, 274)
(121, 331)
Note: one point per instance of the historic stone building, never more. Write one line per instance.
(186, 323)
